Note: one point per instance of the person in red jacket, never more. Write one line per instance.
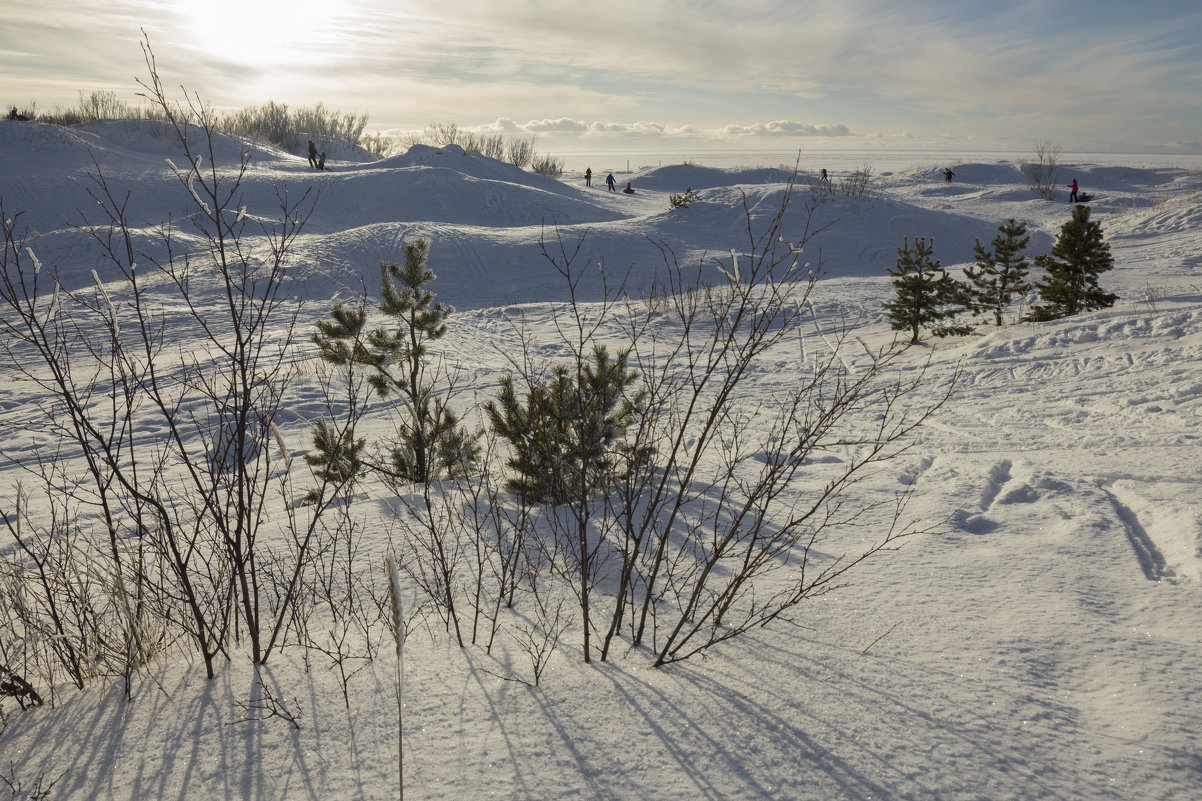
(588, 176)
(1072, 195)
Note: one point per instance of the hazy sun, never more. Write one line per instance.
(259, 32)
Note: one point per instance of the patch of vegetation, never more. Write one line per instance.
(926, 294)
(1070, 285)
(519, 152)
(999, 275)
(550, 166)
(272, 123)
(677, 201)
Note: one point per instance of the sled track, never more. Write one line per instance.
(1151, 560)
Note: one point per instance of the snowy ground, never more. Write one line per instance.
(1044, 646)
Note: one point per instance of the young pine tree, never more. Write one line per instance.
(999, 275)
(430, 441)
(337, 458)
(1078, 257)
(567, 434)
(926, 294)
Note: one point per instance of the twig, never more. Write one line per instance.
(883, 636)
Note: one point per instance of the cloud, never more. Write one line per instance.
(1018, 71)
(785, 128)
(561, 125)
(566, 126)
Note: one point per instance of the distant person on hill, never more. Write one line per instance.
(12, 115)
(610, 182)
(588, 176)
(629, 189)
(321, 161)
(312, 154)
(1072, 195)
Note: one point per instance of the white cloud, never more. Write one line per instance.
(785, 128)
(703, 68)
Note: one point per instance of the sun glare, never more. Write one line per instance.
(259, 33)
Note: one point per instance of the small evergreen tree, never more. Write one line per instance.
(1078, 257)
(337, 459)
(430, 441)
(998, 275)
(926, 294)
(567, 433)
(676, 201)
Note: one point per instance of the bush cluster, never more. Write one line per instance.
(272, 123)
(284, 127)
(683, 201)
(193, 539)
(929, 298)
(519, 151)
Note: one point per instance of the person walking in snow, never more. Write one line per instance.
(1072, 195)
(312, 154)
(588, 176)
(610, 182)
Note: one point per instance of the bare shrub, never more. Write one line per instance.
(102, 105)
(520, 152)
(13, 685)
(271, 123)
(1150, 294)
(550, 166)
(72, 606)
(24, 790)
(493, 147)
(190, 547)
(538, 637)
(1042, 170)
(443, 133)
(858, 185)
(379, 145)
(264, 704)
(722, 492)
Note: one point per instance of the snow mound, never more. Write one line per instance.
(1000, 173)
(1093, 176)
(447, 185)
(469, 164)
(678, 177)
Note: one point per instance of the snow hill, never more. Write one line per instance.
(1044, 645)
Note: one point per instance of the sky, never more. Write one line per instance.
(653, 74)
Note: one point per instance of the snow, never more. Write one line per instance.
(1043, 645)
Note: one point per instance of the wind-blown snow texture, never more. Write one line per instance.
(1045, 646)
